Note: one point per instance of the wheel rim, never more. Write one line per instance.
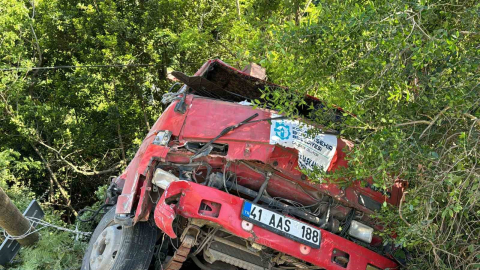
(105, 248)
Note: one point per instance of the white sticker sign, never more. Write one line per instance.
(313, 150)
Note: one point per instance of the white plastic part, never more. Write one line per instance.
(247, 226)
(305, 249)
(162, 179)
(361, 231)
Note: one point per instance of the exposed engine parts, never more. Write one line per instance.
(323, 214)
(214, 246)
(210, 246)
(229, 252)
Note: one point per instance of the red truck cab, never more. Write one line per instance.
(222, 181)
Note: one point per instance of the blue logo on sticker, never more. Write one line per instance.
(247, 207)
(282, 131)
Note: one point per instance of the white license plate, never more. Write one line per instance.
(282, 225)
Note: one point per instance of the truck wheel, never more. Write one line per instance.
(115, 247)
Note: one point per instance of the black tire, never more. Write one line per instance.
(136, 245)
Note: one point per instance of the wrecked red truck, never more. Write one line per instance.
(218, 184)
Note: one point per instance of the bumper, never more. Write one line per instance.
(225, 210)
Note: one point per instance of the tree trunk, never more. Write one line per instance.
(142, 104)
(12, 220)
(54, 178)
(239, 13)
(119, 128)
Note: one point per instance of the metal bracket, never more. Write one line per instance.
(162, 138)
(124, 219)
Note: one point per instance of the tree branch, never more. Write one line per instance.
(473, 118)
(60, 187)
(400, 209)
(239, 14)
(37, 45)
(76, 169)
(413, 123)
(434, 120)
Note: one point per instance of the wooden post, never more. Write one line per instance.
(12, 220)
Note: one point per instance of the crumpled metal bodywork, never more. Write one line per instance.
(191, 196)
(248, 147)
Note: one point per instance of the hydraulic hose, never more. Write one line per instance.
(263, 187)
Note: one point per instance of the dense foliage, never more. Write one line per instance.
(56, 249)
(408, 71)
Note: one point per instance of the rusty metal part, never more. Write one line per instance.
(283, 258)
(191, 230)
(255, 70)
(181, 254)
(341, 260)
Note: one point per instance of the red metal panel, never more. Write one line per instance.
(169, 120)
(207, 118)
(249, 151)
(191, 196)
(164, 216)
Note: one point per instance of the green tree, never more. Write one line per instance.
(408, 71)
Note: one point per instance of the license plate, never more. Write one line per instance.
(282, 225)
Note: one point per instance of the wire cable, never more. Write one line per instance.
(88, 66)
(36, 221)
(95, 212)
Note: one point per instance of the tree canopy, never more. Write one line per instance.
(408, 72)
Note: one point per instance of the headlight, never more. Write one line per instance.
(361, 231)
(162, 138)
(162, 179)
